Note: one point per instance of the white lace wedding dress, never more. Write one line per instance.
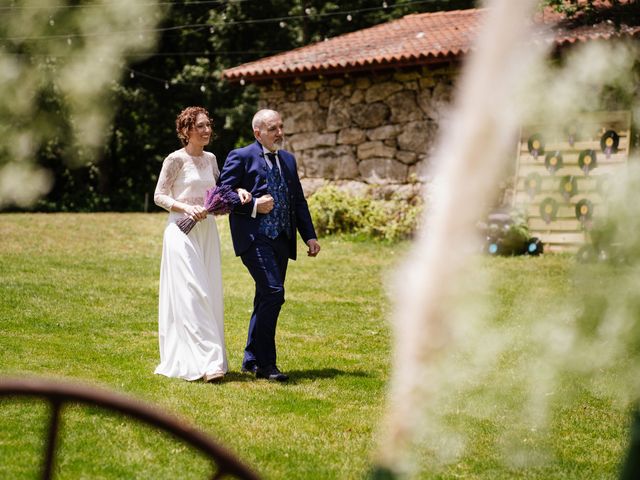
(190, 317)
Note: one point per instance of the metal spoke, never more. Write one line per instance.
(52, 440)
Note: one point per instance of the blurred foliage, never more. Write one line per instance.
(57, 63)
(614, 236)
(336, 211)
(590, 9)
(148, 85)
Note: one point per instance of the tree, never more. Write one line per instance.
(198, 41)
(589, 9)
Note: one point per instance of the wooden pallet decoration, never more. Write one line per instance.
(563, 173)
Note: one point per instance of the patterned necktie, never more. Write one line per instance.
(274, 163)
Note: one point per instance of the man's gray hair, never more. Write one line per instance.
(261, 116)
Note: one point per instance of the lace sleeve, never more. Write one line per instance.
(170, 168)
(214, 168)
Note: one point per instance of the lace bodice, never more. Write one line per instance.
(185, 178)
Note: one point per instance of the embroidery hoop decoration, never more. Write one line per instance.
(548, 210)
(587, 161)
(532, 184)
(568, 187)
(553, 161)
(584, 212)
(535, 144)
(609, 142)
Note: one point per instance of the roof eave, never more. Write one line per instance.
(234, 77)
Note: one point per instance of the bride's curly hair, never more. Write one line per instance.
(186, 120)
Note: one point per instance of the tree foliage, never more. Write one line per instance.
(57, 60)
(591, 8)
(198, 41)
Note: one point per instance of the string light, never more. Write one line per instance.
(165, 82)
(223, 22)
(94, 5)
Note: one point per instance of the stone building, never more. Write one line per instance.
(363, 109)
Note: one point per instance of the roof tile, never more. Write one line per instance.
(414, 39)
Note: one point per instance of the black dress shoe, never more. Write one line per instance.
(271, 373)
(249, 368)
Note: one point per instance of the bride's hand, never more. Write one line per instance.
(197, 213)
(245, 197)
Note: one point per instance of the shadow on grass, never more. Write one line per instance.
(322, 373)
(297, 375)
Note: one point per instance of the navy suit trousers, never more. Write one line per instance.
(266, 259)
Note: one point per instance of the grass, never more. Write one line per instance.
(78, 300)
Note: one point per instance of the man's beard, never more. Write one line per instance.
(279, 144)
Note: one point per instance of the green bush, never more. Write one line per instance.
(336, 211)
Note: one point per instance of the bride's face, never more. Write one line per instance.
(200, 133)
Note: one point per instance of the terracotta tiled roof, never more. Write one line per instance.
(412, 40)
(604, 30)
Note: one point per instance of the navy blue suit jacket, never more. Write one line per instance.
(246, 168)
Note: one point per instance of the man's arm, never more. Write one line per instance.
(304, 223)
(232, 174)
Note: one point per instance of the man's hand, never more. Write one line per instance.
(264, 204)
(245, 196)
(314, 247)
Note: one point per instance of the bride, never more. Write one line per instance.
(190, 311)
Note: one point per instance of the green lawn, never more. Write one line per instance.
(78, 300)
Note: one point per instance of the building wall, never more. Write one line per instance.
(369, 132)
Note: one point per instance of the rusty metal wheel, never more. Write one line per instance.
(57, 394)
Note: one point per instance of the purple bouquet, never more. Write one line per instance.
(219, 200)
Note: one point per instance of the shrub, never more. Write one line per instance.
(336, 211)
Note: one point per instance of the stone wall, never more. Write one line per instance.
(370, 132)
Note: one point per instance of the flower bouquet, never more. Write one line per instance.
(219, 200)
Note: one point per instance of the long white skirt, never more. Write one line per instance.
(191, 311)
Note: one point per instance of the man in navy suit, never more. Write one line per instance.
(263, 232)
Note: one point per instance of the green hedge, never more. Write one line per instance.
(336, 211)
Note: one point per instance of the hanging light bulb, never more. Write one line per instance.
(242, 82)
(132, 75)
(349, 18)
(282, 24)
(384, 5)
(166, 85)
(203, 88)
